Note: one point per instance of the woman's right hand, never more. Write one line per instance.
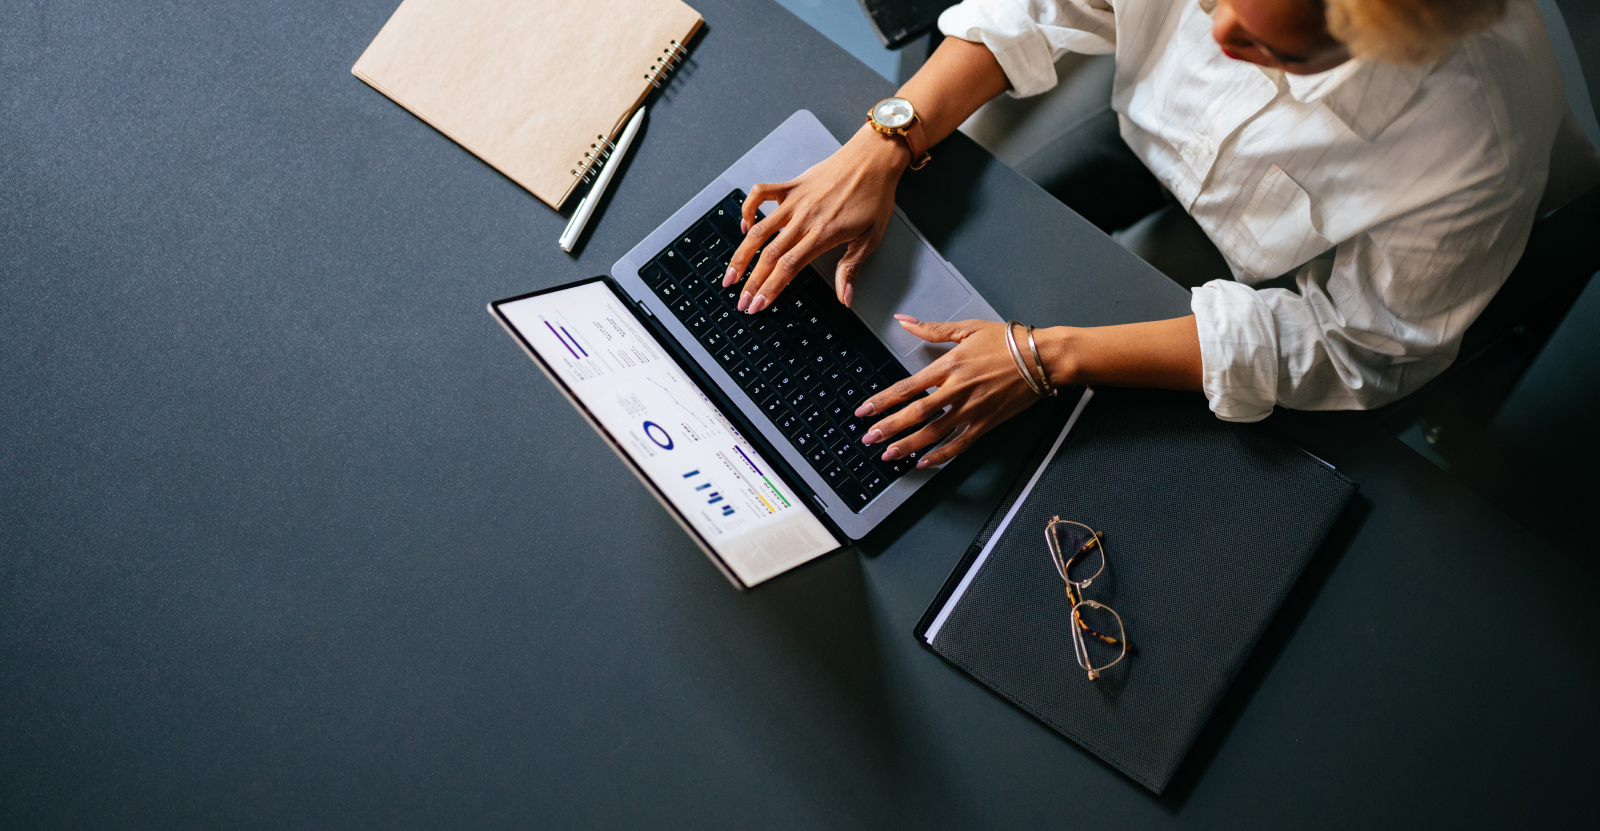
(846, 199)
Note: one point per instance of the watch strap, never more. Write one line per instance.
(917, 141)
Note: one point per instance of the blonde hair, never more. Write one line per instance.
(1408, 31)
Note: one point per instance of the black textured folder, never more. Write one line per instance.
(1208, 525)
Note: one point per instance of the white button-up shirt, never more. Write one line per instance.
(1400, 196)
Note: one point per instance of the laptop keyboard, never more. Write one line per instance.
(807, 361)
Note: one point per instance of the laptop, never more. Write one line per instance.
(743, 425)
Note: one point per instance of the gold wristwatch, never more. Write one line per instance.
(896, 117)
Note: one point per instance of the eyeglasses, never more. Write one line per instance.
(1097, 632)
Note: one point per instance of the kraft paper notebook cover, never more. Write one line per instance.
(1208, 526)
(535, 88)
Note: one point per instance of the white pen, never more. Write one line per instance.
(580, 217)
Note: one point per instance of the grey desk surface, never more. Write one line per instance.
(291, 535)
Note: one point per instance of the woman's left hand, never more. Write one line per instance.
(977, 380)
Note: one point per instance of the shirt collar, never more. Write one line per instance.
(1366, 95)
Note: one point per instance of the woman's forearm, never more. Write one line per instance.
(1160, 353)
(958, 78)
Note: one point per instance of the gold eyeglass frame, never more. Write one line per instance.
(1080, 629)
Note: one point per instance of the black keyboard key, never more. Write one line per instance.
(829, 434)
(725, 218)
(863, 372)
(803, 439)
(796, 303)
(854, 496)
(807, 377)
(686, 247)
(835, 476)
(822, 394)
(722, 318)
(675, 265)
(683, 307)
(760, 357)
(875, 482)
(728, 355)
(833, 375)
(762, 326)
(798, 399)
(814, 416)
(860, 465)
(698, 324)
(706, 235)
(705, 265)
(782, 384)
(759, 388)
(772, 406)
(818, 455)
(653, 275)
(669, 292)
(738, 331)
(744, 375)
(853, 427)
(790, 424)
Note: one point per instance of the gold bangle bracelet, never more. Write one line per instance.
(1044, 378)
(1016, 355)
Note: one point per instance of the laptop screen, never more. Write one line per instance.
(727, 492)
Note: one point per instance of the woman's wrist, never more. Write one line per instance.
(1056, 347)
(885, 152)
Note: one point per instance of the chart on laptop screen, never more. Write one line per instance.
(715, 478)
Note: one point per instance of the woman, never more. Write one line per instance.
(1388, 155)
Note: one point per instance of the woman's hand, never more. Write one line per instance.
(977, 380)
(845, 199)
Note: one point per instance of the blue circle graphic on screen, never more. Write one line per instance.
(658, 435)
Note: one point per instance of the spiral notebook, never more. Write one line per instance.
(538, 89)
(1207, 527)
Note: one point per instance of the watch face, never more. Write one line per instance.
(892, 112)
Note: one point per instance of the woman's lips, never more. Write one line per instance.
(1230, 53)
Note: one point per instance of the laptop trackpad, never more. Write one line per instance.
(904, 276)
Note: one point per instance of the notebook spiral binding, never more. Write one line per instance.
(599, 150)
(668, 60)
(602, 148)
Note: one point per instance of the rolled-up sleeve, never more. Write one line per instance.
(1027, 36)
(1377, 321)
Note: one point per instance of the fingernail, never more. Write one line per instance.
(866, 410)
(906, 319)
(922, 464)
(744, 226)
(744, 300)
(758, 304)
(872, 437)
(727, 279)
(849, 292)
(891, 454)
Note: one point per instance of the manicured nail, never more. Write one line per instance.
(866, 410)
(892, 453)
(849, 292)
(758, 304)
(872, 437)
(922, 464)
(744, 226)
(906, 319)
(727, 279)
